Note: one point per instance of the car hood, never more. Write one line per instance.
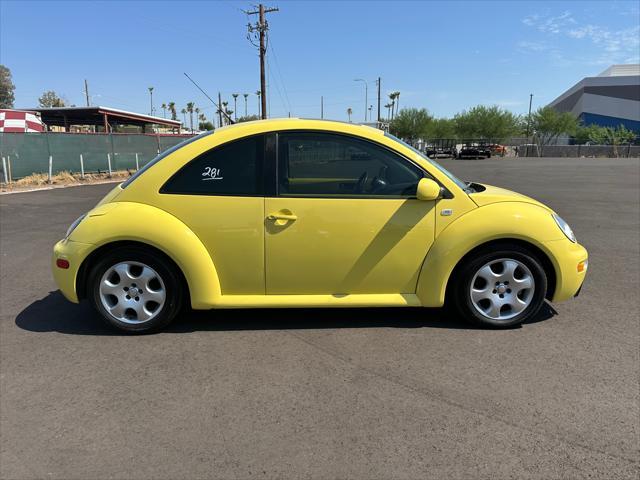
(493, 194)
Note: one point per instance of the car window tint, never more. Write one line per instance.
(325, 164)
(230, 169)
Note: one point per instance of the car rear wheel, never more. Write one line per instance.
(500, 288)
(135, 290)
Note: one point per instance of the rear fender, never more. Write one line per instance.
(129, 221)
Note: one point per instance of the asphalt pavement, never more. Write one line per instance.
(292, 394)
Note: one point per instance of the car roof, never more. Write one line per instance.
(288, 123)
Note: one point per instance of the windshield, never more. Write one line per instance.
(464, 186)
(162, 155)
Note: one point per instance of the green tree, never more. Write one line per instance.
(7, 88)
(548, 124)
(411, 124)
(206, 125)
(395, 100)
(51, 99)
(491, 123)
(441, 128)
(619, 136)
(258, 93)
(190, 106)
(172, 109)
(235, 106)
(589, 134)
(248, 118)
(245, 95)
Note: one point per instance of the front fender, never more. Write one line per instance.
(130, 221)
(506, 220)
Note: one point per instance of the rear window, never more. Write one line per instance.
(163, 155)
(233, 168)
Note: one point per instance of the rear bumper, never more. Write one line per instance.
(65, 278)
(566, 257)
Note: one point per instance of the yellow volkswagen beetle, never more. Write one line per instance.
(311, 213)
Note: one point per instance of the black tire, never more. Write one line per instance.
(166, 271)
(459, 294)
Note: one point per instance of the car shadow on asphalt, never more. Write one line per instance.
(54, 313)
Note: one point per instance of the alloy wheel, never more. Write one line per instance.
(502, 288)
(132, 292)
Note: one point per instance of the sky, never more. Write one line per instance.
(443, 56)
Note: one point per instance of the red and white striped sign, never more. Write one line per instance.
(14, 121)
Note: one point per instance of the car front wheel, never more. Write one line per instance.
(135, 290)
(500, 288)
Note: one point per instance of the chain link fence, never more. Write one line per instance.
(26, 153)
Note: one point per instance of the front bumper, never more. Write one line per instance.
(65, 278)
(567, 256)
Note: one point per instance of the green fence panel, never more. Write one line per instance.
(29, 153)
(168, 141)
(126, 147)
(26, 153)
(66, 149)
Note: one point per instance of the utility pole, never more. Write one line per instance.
(322, 107)
(86, 92)
(261, 27)
(219, 109)
(378, 82)
(529, 116)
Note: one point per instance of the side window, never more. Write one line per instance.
(325, 164)
(233, 168)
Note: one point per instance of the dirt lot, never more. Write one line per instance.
(330, 393)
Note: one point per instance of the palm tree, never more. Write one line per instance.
(184, 116)
(392, 97)
(395, 99)
(225, 111)
(235, 105)
(164, 110)
(245, 95)
(190, 106)
(172, 110)
(151, 100)
(258, 93)
(388, 107)
(201, 120)
(349, 112)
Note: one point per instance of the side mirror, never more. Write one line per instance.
(428, 189)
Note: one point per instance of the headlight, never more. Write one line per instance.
(73, 226)
(564, 226)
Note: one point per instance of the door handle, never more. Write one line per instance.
(283, 216)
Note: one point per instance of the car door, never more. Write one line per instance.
(219, 196)
(345, 219)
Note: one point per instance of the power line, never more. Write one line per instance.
(275, 57)
(270, 76)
